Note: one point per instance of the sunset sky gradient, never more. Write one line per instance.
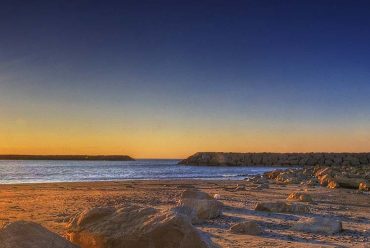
(165, 79)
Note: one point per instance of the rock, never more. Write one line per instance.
(203, 204)
(190, 213)
(195, 194)
(292, 176)
(136, 227)
(240, 187)
(217, 196)
(312, 182)
(333, 184)
(346, 182)
(328, 162)
(323, 171)
(299, 196)
(246, 227)
(318, 225)
(277, 159)
(257, 179)
(364, 186)
(262, 186)
(185, 186)
(272, 174)
(351, 160)
(324, 180)
(282, 207)
(25, 234)
(94, 214)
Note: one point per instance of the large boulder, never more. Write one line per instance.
(364, 186)
(134, 227)
(346, 182)
(282, 207)
(272, 174)
(325, 179)
(318, 225)
(333, 184)
(239, 187)
(299, 196)
(25, 234)
(311, 182)
(204, 206)
(323, 171)
(261, 186)
(288, 177)
(257, 180)
(246, 227)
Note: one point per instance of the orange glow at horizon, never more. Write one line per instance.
(167, 80)
(178, 143)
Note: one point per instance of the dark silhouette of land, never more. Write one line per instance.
(278, 159)
(68, 157)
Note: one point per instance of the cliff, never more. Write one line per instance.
(276, 159)
(68, 157)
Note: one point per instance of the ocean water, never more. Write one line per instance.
(26, 171)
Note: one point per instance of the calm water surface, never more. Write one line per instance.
(22, 171)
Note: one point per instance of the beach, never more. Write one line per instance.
(184, 124)
(54, 204)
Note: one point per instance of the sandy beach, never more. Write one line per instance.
(53, 205)
(185, 124)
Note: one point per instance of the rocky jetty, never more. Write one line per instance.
(68, 157)
(277, 159)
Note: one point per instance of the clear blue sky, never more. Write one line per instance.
(168, 78)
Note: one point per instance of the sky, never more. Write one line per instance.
(165, 79)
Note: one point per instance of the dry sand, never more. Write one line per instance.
(53, 204)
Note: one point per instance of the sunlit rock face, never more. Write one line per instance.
(26, 234)
(134, 227)
(318, 225)
(282, 207)
(344, 176)
(203, 206)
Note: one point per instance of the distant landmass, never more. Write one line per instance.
(68, 157)
(277, 159)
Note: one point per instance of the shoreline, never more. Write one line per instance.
(233, 179)
(184, 181)
(54, 204)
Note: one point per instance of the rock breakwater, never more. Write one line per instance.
(277, 159)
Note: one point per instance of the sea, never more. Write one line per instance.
(46, 171)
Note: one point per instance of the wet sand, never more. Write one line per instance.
(53, 204)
